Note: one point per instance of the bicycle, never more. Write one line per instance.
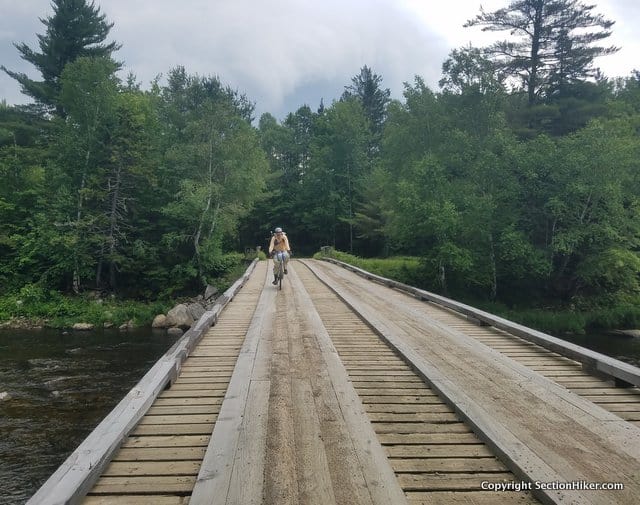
(279, 272)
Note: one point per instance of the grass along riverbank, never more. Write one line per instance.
(32, 306)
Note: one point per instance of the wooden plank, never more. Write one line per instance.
(183, 409)
(168, 441)
(395, 392)
(204, 393)
(494, 410)
(168, 402)
(366, 373)
(426, 398)
(414, 385)
(159, 453)
(131, 468)
(404, 409)
(630, 399)
(571, 385)
(595, 360)
(206, 386)
(428, 438)
(178, 419)
(155, 499)
(629, 416)
(247, 477)
(162, 485)
(449, 482)
(471, 498)
(298, 466)
(174, 429)
(605, 391)
(448, 465)
(202, 379)
(380, 479)
(414, 417)
(214, 479)
(478, 450)
(409, 378)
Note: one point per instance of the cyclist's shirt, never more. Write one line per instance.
(279, 243)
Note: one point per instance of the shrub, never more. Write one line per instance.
(405, 269)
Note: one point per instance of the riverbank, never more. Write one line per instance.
(63, 312)
(33, 307)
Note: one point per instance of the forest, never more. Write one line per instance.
(517, 181)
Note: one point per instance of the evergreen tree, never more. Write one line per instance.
(555, 45)
(76, 29)
(365, 87)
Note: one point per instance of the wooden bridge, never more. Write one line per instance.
(347, 388)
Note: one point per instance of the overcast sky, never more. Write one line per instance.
(286, 53)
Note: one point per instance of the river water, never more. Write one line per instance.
(624, 348)
(60, 386)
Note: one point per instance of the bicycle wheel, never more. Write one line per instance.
(280, 275)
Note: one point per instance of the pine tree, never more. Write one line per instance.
(366, 88)
(555, 45)
(77, 28)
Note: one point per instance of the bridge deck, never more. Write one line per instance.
(293, 398)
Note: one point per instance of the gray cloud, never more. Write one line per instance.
(274, 51)
(279, 49)
(281, 53)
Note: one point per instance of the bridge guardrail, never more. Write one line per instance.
(623, 373)
(79, 472)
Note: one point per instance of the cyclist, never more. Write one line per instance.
(279, 244)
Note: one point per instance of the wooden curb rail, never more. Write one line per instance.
(592, 361)
(79, 472)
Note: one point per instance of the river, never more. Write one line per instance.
(624, 348)
(61, 385)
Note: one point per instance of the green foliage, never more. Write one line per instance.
(554, 322)
(76, 29)
(622, 316)
(559, 321)
(476, 191)
(215, 161)
(365, 87)
(51, 308)
(403, 269)
(551, 45)
(611, 270)
(221, 265)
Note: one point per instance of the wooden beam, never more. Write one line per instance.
(228, 444)
(624, 373)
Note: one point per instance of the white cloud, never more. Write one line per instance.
(283, 53)
(271, 50)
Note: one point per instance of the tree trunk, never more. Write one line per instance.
(113, 226)
(443, 279)
(494, 272)
(350, 210)
(83, 182)
(535, 54)
(76, 260)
